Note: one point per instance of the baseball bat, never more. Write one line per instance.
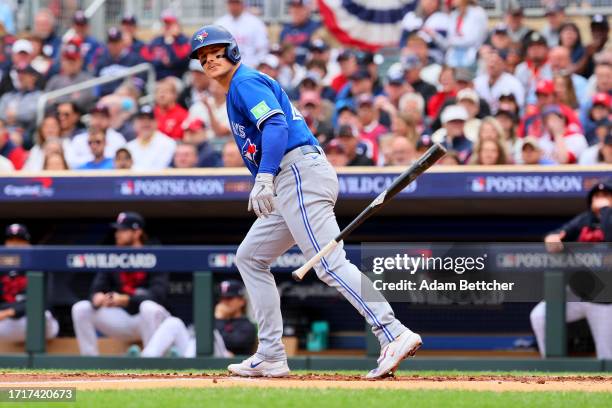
(431, 156)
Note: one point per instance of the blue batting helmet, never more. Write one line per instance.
(213, 35)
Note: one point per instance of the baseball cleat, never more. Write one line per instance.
(393, 353)
(256, 367)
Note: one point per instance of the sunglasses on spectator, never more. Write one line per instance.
(64, 113)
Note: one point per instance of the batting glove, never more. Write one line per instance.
(261, 200)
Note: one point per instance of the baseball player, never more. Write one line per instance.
(593, 225)
(13, 288)
(124, 305)
(293, 197)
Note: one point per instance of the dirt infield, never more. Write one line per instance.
(102, 381)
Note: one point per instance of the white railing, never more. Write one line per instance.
(94, 82)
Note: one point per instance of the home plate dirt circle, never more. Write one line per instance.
(101, 381)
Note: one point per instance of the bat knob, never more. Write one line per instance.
(296, 277)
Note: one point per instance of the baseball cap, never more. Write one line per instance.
(113, 34)
(101, 109)
(345, 55)
(536, 38)
(395, 75)
(360, 74)
(365, 99)
(454, 112)
(346, 130)
(602, 98)
(508, 113)
(334, 145)
(231, 288)
(605, 185)
(17, 231)
(318, 45)
(463, 75)
(552, 8)
(500, 28)
(145, 111)
(545, 87)
(311, 77)
(599, 20)
(270, 60)
(469, 94)
(71, 50)
(530, 141)
(411, 61)
(552, 109)
(194, 65)
(194, 125)
(168, 16)
(129, 18)
(80, 18)
(129, 220)
(22, 45)
(345, 105)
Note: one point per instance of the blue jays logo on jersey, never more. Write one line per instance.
(249, 151)
(200, 37)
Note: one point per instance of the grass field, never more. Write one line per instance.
(297, 393)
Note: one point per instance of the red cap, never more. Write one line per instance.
(601, 98)
(545, 87)
(168, 16)
(195, 125)
(72, 49)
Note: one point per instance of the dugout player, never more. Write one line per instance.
(123, 305)
(13, 288)
(593, 225)
(293, 197)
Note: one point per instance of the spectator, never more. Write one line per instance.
(55, 161)
(49, 129)
(356, 150)
(593, 225)
(196, 135)
(169, 51)
(599, 118)
(71, 73)
(600, 153)
(412, 105)
(97, 142)
(569, 38)
(310, 105)
(41, 61)
(89, 44)
(468, 98)
(45, 28)
(419, 44)
(185, 156)
(561, 63)
(467, 32)
(489, 152)
(412, 66)
(347, 60)
(403, 126)
(169, 114)
(79, 151)
(496, 82)
(514, 19)
(447, 90)
(603, 84)
(211, 110)
(453, 120)
(560, 142)
(499, 39)
(21, 56)
(564, 90)
(13, 294)
(361, 84)
(450, 159)
(151, 150)
(231, 156)
(129, 28)
(555, 15)
(370, 129)
(600, 31)
(395, 85)
(535, 66)
(402, 152)
(18, 108)
(69, 117)
(320, 54)
(269, 65)
(123, 159)
(114, 59)
(125, 305)
(16, 154)
(290, 73)
(121, 109)
(336, 153)
(508, 121)
(490, 129)
(248, 30)
(197, 87)
(429, 19)
(301, 29)
(531, 153)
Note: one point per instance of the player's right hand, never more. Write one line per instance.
(554, 242)
(261, 200)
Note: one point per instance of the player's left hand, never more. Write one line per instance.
(261, 200)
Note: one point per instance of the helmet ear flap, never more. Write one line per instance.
(232, 53)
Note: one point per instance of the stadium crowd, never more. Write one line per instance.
(505, 95)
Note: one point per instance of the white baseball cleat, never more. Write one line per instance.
(393, 353)
(256, 367)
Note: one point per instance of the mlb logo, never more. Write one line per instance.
(479, 185)
(507, 261)
(127, 188)
(76, 261)
(218, 260)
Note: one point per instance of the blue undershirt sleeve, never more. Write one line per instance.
(275, 134)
